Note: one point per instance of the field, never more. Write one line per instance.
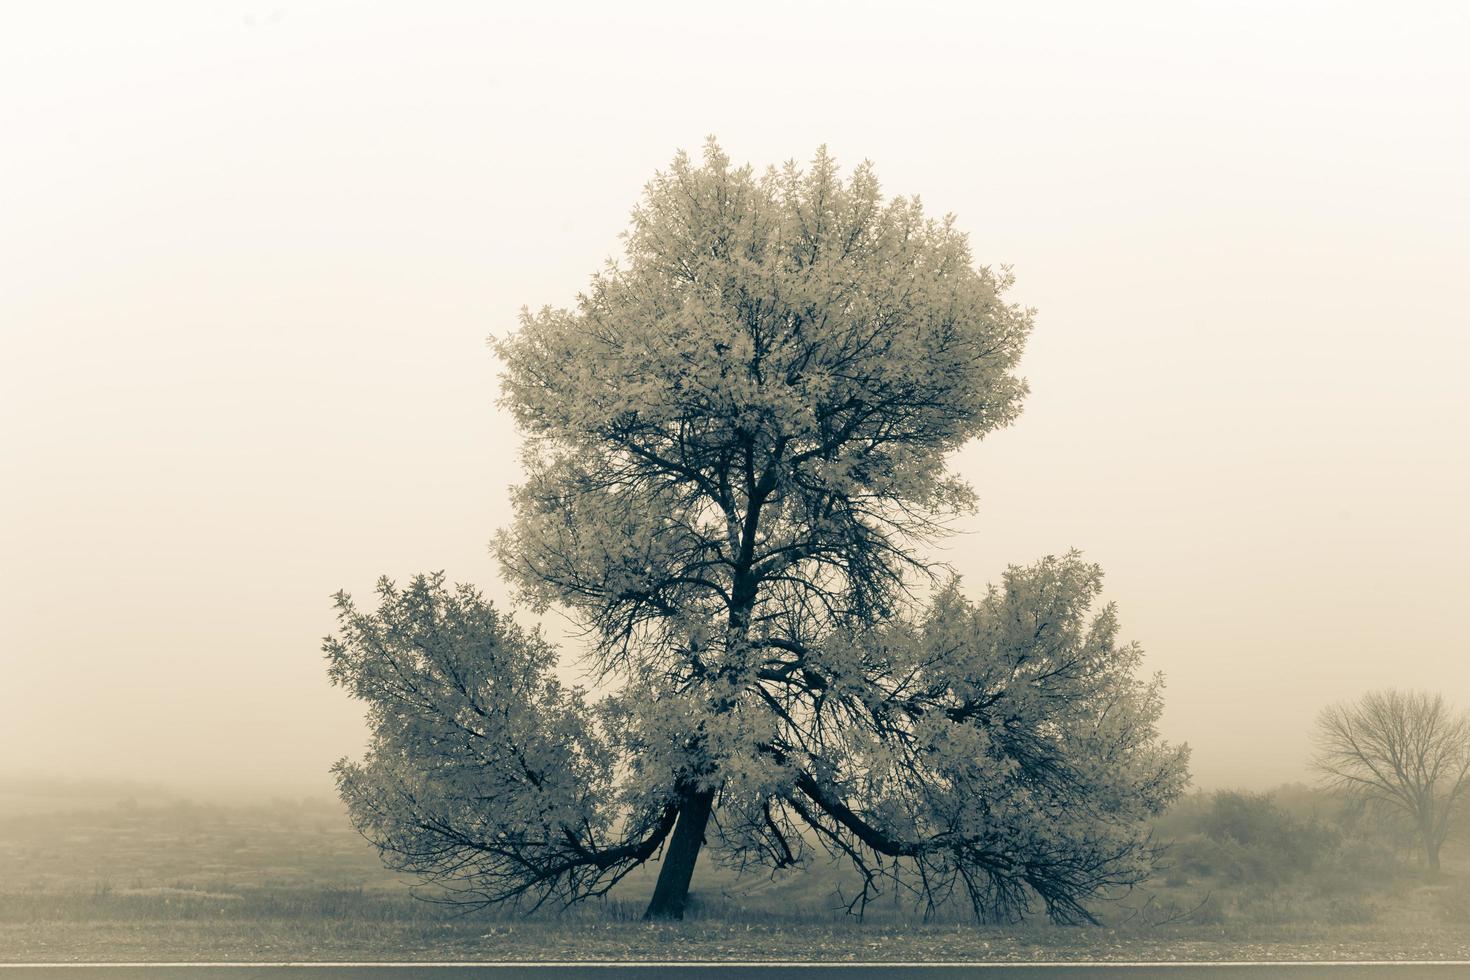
(150, 877)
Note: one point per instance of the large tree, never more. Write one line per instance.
(1407, 751)
(736, 452)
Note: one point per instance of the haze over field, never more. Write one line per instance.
(252, 253)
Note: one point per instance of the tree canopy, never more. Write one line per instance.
(736, 454)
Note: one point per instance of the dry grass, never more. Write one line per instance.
(291, 880)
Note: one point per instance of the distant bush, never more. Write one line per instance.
(1255, 820)
(1246, 838)
(1251, 839)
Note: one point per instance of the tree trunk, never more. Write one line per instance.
(672, 889)
(1431, 852)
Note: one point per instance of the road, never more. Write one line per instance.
(745, 971)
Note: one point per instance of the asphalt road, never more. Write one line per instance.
(876, 971)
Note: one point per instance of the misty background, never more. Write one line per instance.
(250, 254)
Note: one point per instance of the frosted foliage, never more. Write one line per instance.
(1003, 750)
(484, 773)
(736, 450)
(760, 397)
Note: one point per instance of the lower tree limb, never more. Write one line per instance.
(672, 890)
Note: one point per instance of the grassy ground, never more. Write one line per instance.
(161, 880)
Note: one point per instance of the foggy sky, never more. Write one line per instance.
(250, 254)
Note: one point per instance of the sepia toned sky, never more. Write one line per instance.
(250, 254)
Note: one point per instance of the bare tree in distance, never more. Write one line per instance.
(736, 448)
(1407, 750)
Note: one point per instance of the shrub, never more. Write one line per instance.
(1245, 838)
